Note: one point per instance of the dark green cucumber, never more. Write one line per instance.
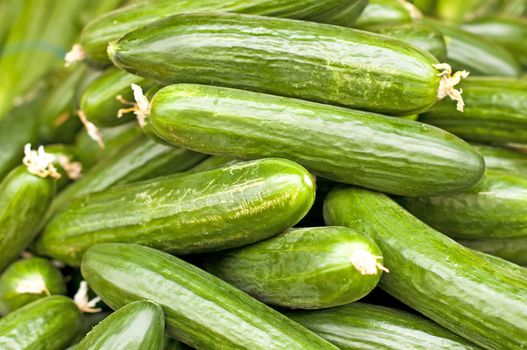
(196, 212)
(503, 159)
(49, 323)
(388, 154)
(372, 327)
(345, 15)
(213, 162)
(99, 100)
(511, 33)
(303, 268)
(27, 280)
(495, 111)
(98, 33)
(142, 159)
(347, 67)
(511, 249)
(477, 54)
(139, 325)
(435, 275)
(380, 13)
(24, 199)
(201, 310)
(506, 266)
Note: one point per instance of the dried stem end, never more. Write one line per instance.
(81, 299)
(76, 54)
(448, 82)
(91, 129)
(367, 263)
(141, 107)
(39, 163)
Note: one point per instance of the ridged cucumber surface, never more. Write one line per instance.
(503, 159)
(383, 12)
(511, 249)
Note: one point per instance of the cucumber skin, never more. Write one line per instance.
(59, 150)
(435, 275)
(380, 13)
(201, 310)
(24, 199)
(98, 33)
(495, 208)
(345, 15)
(503, 159)
(347, 67)
(27, 270)
(387, 154)
(304, 268)
(372, 327)
(139, 325)
(511, 249)
(495, 111)
(188, 213)
(49, 323)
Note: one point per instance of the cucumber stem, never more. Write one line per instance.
(73, 169)
(81, 299)
(366, 262)
(76, 54)
(39, 163)
(91, 129)
(448, 82)
(141, 107)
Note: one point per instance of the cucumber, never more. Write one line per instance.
(27, 280)
(503, 159)
(99, 100)
(475, 53)
(197, 212)
(201, 310)
(213, 162)
(380, 13)
(136, 326)
(66, 163)
(345, 15)
(24, 199)
(457, 11)
(347, 67)
(511, 249)
(98, 33)
(507, 266)
(496, 111)
(142, 159)
(511, 33)
(435, 275)
(427, 7)
(303, 268)
(49, 323)
(388, 154)
(372, 327)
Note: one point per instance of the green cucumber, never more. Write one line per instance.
(345, 15)
(457, 11)
(98, 33)
(372, 327)
(503, 159)
(495, 112)
(388, 154)
(477, 54)
(27, 280)
(511, 249)
(24, 199)
(384, 13)
(347, 67)
(426, 6)
(201, 310)
(49, 323)
(506, 266)
(511, 33)
(136, 326)
(434, 275)
(189, 213)
(303, 268)
(213, 162)
(66, 163)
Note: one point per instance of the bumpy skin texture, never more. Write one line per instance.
(381, 13)
(372, 327)
(387, 154)
(495, 111)
(50, 323)
(346, 67)
(511, 249)
(201, 310)
(28, 271)
(345, 15)
(136, 326)
(504, 159)
(24, 199)
(97, 34)
(452, 285)
(208, 211)
(304, 268)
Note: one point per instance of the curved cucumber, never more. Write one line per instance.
(372, 327)
(380, 13)
(347, 67)
(435, 275)
(511, 249)
(304, 268)
(201, 310)
(24, 199)
(98, 33)
(189, 213)
(503, 159)
(49, 323)
(495, 111)
(387, 154)
(136, 326)
(27, 280)
(345, 15)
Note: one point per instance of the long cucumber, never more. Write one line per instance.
(511, 249)
(504, 159)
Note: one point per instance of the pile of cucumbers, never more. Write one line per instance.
(263, 174)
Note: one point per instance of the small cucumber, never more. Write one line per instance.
(345, 15)
(304, 268)
(372, 327)
(27, 280)
(380, 13)
(503, 159)
(383, 153)
(201, 310)
(495, 112)
(139, 325)
(189, 213)
(511, 249)
(434, 275)
(49, 323)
